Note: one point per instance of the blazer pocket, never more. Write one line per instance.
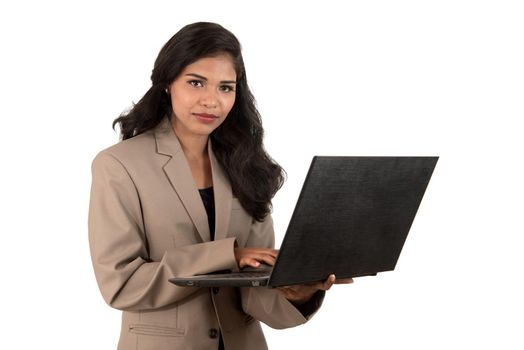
(147, 329)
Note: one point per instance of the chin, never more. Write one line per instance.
(204, 131)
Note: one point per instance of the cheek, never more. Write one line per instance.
(180, 102)
(228, 103)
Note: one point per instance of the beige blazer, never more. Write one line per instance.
(147, 223)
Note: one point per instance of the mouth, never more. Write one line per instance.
(206, 118)
(205, 115)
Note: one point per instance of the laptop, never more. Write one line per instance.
(351, 219)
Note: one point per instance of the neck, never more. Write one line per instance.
(195, 150)
(194, 146)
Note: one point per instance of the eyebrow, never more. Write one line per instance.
(205, 79)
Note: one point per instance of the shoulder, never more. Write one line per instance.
(138, 145)
(130, 151)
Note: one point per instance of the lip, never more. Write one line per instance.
(205, 118)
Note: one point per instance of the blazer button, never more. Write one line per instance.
(216, 290)
(213, 333)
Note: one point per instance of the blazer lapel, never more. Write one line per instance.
(179, 174)
(223, 196)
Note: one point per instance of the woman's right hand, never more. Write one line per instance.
(255, 256)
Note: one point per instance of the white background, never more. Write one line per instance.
(439, 78)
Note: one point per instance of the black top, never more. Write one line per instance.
(208, 198)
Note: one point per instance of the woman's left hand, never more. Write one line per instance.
(301, 293)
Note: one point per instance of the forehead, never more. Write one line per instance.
(220, 67)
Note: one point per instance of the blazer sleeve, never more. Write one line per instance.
(269, 305)
(128, 279)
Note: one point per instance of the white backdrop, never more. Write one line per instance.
(364, 78)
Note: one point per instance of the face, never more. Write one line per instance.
(202, 96)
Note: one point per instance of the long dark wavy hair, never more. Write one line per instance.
(238, 142)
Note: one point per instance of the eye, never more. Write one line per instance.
(226, 88)
(196, 83)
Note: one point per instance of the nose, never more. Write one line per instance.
(209, 98)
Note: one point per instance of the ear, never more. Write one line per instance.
(167, 90)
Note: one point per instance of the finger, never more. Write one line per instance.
(248, 262)
(264, 251)
(262, 258)
(253, 262)
(262, 254)
(268, 252)
(324, 285)
(329, 282)
(268, 259)
(344, 281)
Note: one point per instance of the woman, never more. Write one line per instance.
(188, 191)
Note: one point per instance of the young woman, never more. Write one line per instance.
(188, 191)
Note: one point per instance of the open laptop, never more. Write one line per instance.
(351, 219)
